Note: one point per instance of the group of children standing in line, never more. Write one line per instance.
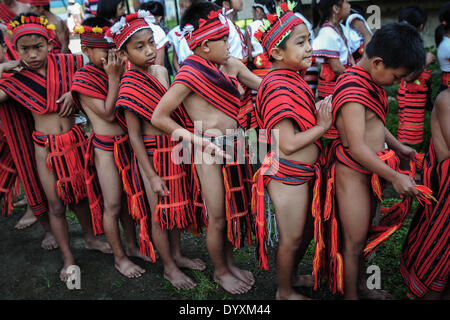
(229, 82)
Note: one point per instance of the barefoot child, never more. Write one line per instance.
(359, 111)
(43, 88)
(285, 103)
(60, 42)
(108, 157)
(211, 97)
(165, 181)
(425, 263)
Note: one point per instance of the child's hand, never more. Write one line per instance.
(113, 66)
(430, 58)
(11, 66)
(405, 152)
(404, 185)
(323, 113)
(210, 148)
(158, 186)
(68, 106)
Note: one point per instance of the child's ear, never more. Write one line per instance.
(277, 54)
(85, 49)
(377, 63)
(204, 46)
(122, 54)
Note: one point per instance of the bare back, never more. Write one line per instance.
(439, 126)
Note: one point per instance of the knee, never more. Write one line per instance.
(217, 222)
(354, 247)
(290, 242)
(56, 210)
(112, 209)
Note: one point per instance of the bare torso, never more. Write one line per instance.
(441, 146)
(52, 123)
(101, 126)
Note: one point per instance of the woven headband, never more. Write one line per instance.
(93, 37)
(31, 25)
(214, 27)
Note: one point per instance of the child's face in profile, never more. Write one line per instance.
(237, 5)
(219, 50)
(298, 52)
(120, 10)
(141, 49)
(95, 55)
(33, 50)
(387, 76)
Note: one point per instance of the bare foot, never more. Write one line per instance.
(126, 267)
(374, 294)
(27, 220)
(98, 245)
(49, 242)
(21, 203)
(243, 275)
(178, 279)
(232, 284)
(193, 264)
(290, 296)
(303, 280)
(134, 252)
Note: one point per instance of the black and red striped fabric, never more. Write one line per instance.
(425, 259)
(91, 81)
(289, 172)
(6, 14)
(39, 93)
(356, 85)
(413, 98)
(206, 80)
(8, 175)
(285, 94)
(65, 160)
(17, 126)
(446, 79)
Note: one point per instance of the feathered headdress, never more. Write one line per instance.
(23, 26)
(93, 37)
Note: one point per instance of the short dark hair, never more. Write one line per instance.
(399, 45)
(108, 8)
(97, 22)
(270, 4)
(444, 25)
(414, 15)
(196, 12)
(155, 7)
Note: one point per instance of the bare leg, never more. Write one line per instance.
(160, 238)
(57, 210)
(180, 260)
(111, 186)
(291, 206)
(211, 180)
(304, 280)
(49, 242)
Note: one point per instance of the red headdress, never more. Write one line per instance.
(214, 27)
(93, 37)
(38, 2)
(23, 26)
(128, 25)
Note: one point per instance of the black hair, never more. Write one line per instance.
(357, 9)
(108, 8)
(197, 11)
(97, 22)
(399, 45)
(270, 5)
(2, 40)
(444, 26)
(414, 15)
(323, 10)
(155, 7)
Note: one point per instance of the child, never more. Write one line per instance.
(360, 108)
(111, 9)
(108, 157)
(212, 97)
(285, 103)
(60, 42)
(357, 32)
(165, 181)
(425, 256)
(442, 39)
(43, 88)
(414, 92)
(331, 47)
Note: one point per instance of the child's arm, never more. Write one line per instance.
(135, 134)
(244, 75)
(360, 26)
(176, 65)
(8, 66)
(162, 119)
(336, 65)
(291, 141)
(402, 150)
(114, 68)
(353, 116)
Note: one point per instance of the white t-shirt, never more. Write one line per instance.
(443, 54)
(237, 44)
(355, 39)
(330, 44)
(179, 44)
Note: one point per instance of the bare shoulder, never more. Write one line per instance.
(157, 70)
(442, 102)
(233, 66)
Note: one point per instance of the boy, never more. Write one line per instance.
(212, 97)
(359, 111)
(285, 103)
(165, 181)
(61, 40)
(425, 262)
(43, 88)
(95, 88)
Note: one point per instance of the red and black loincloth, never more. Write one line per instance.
(8, 175)
(288, 172)
(392, 218)
(175, 209)
(65, 160)
(237, 176)
(413, 98)
(425, 259)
